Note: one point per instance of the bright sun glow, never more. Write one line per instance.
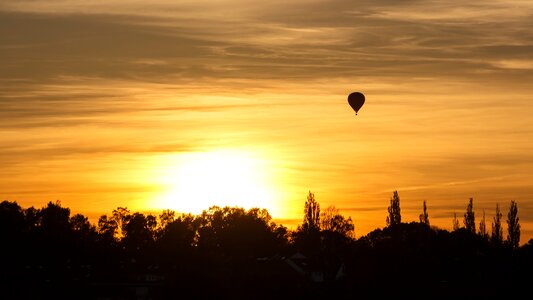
(199, 180)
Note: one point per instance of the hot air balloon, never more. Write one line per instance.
(356, 100)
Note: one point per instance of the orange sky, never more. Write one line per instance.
(124, 103)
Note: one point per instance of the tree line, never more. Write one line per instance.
(234, 252)
(496, 237)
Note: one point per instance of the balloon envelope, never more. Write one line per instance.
(356, 100)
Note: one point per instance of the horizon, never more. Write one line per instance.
(294, 223)
(187, 105)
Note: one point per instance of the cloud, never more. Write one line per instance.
(302, 39)
(520, 64)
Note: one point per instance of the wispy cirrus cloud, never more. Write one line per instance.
(294, 39)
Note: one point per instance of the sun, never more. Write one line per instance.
(198, 180)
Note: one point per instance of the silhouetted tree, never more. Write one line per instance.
(513, 227)
(210, 224)
(151, 223)
(424, 217)
(54, 218)
(482, 227)
(13, 229)
(85, 237)
(81, 226)
(263, 237)
(54, 233)
(311, 214)
(333, 221)
(107, 228)
(497, 231)
(31, 215)
(307, 237)
(469, 218)
(455, 222)
(327, 216)
(139, 232)
(54, 222)
(281, 235)
(12, 220)
(177, 238)
(182, 230)
(394, 217)
(222, 232)
(166, 217)
(79, 222)
(120, 216)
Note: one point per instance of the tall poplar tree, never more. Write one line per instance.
(513, 227)
(424, 217)
(497, 231)
(483, 227)
(394, 217)
(311, 214)
(455, 222)
(469, 218)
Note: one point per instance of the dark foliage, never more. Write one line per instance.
(233, 253)
(394, 218)
(513, 227)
